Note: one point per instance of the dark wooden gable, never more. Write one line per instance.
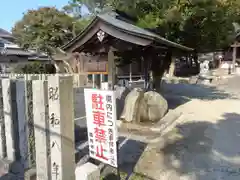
(116, 28)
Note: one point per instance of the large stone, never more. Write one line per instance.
(130, 111)
(152, 107)
(121, 94)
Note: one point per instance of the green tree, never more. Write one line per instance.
(205, 25)
(35, 68)
(45, 29)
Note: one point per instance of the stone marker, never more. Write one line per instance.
(87, 171)
(130, 111)
(22, 122)
(61, 126)
(30, 123)
(40, 116)
(2, 127)
(6, 91)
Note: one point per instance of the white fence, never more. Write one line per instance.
(37, 126)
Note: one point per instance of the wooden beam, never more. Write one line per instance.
(236, 45)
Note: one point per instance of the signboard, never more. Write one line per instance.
(101, 123)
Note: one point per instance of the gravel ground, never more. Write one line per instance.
(205, 144)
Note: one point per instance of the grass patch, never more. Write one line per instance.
(113, 176)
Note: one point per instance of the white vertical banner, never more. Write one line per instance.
(101, 123)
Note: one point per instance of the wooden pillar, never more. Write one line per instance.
(41, 126)
(101, 78)
(130, 72)
(172, 66)
(58, 70)
(93, 81)
(61, 126)
(111, 68)
(145, 71)
(234, 57)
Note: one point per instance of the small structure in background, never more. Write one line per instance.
(114, 49)
(12, 56)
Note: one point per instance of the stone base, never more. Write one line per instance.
(4, 167)
(87, 171)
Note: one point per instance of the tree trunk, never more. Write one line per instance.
(172, 68)
(159, 66)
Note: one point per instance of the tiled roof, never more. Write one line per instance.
(8, 48)
(16, 52)
(5, 41)
(4, 33)
(112, 19)
(31, 56)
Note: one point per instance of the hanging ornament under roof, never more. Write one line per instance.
(100, 35)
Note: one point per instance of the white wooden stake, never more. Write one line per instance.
(41, 126)
(61, 125)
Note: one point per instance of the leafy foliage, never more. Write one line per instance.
(35, 68)
(46, 28)
(201, 24)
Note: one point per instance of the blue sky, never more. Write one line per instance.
(12, 11)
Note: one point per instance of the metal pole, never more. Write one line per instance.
(118, 149)
(118, 170)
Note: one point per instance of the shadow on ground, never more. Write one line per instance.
(192, 151)
(129, 155)
(80, 133)
(111, 176)
(79, 103)
(178, 94)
